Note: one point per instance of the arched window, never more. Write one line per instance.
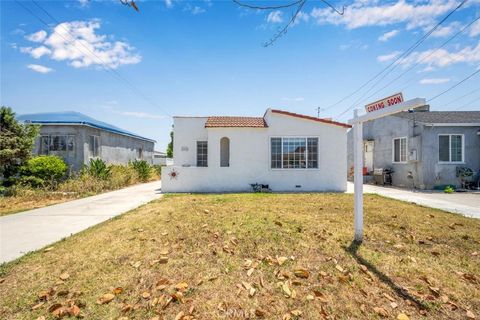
(224, 152)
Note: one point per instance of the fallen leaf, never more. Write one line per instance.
(106, 298)
(281, 260)
(179, 315)
(250, 271)
(470, 315)
(296, 313)
(163, 260)
(402, 316)
(118, 290)
(260, 313)
(64, 276)
(286, 290)
(310, 297)
(54, 307)
(339, 268)
(394, 305)
(145, 295)
(181, 286)
(251, 292)
(48, 249)
(38, 305)
(381, 311)
(301, 273)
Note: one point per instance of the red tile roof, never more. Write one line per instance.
(239, 122)
(297, 115)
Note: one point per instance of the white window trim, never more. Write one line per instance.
(306, 153)
(450, 148)
(406, 150)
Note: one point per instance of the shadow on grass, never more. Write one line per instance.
(403, 293)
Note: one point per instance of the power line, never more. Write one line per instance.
(423, 59)
(468, 103)
(405, 54)
(455, 85)
(461, 97)
(114, 73)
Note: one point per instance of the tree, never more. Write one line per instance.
(16, 143)
(170, 146)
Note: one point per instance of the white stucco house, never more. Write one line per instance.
(284, 150)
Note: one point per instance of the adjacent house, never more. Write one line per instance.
(281, 151)
(77, 138)
(159, 158)
(425, 149)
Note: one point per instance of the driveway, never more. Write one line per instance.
(467, 204)
(35, 229)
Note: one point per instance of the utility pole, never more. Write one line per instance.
(318, 111)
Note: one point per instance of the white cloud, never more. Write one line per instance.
(388, 35)
(364, 13)
(442, 58)
(434, 80)
(475, 29)
(38, 36)
(169, 3)
(388, 57)
(77, 43)
(84, 3)
(193, 9)
(38, 52)
(39, 68)
(445, 31)
(354, 44)
(275, 17)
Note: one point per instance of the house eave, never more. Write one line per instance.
(51, 123)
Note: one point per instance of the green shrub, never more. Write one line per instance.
(449, 189)
(43, 171)
(158, 169)
(97, 168)
(143, 169)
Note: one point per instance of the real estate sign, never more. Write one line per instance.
(385, 102)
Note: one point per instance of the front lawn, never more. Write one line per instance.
(239, 256)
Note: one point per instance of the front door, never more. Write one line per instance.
(368, 154)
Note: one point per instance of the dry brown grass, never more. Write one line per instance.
(74, 188)
(31, 199)
(418, 261)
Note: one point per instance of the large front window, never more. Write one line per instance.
(202, 154)
(450, 148)
(294, 153)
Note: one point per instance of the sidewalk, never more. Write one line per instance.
(467, 204)
(34, 229)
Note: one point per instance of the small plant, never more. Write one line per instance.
(158, 169)
(142, 168)
(449, 189)
(43, 171)
(98, 168)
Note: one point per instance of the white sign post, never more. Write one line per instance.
(357, 123)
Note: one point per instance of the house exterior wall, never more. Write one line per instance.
(113, 148)
(437, 173)
(427, 172)
(250, 157)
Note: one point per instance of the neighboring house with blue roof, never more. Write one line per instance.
(77, 138)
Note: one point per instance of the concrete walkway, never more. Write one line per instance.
(34, 229)
(467, 204)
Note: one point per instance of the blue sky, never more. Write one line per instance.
(135, 70)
